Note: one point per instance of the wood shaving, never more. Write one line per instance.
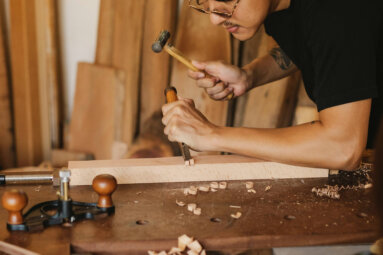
(180, 203)
(193, 190)
(368, 186)
(235, 206)
(191, 207)
(204, 188)
(213, 190)
(268, 188)
(328, 191)
(152, 253)
(237, 215)
(214, 185)
(195, 246)
(197, 211)
(174, 251)
(163, 253)
(183, 242)
(249, 185)
(290, 217)
(186, 191)
(251, 191)
(191, 252)
(203, 252)
(223, 185)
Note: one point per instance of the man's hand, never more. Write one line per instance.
(226, 79)
(184, 123)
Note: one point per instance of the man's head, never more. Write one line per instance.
(242, 18)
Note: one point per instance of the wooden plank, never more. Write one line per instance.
(206, 168)
(50, 99)
(98, 105)
(271, 105)
(119, 45)
(12, 249)
(25, 83)
(7, 154)
(198, 39)
(155, 72)
(60, 158)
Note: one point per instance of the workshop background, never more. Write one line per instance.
(78, 79)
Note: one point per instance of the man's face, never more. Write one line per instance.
(248, 16)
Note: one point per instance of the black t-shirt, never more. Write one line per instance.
(338, 46)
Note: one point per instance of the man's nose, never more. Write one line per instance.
(216, 19)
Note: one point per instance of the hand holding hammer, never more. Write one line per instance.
(160, 44)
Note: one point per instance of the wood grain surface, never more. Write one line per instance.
(7, 153)
(119, 45)
(99, 101)
(173, 169)
(199, 40)
(318, 221)
(25, 83)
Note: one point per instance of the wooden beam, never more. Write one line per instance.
(207, 168)
(7, 153)
(155, 72)
(99, 101)
(25, 83)
(119, 45)
(198, 39)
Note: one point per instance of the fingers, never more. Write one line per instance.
(226, 94)
(176, 108)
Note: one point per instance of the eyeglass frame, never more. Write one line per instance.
(221, 14)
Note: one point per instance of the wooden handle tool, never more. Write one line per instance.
(171, 96)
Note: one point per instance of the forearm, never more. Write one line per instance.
(269, 68)
(305, 145)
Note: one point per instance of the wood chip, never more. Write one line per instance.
(174, 251)
(362, 215)
(204, 188)
(237, 215)
(152, 253)
(368, 186)
(195, 246)
(290, 217)
(193, 190)
(214, 185)
(163, 253)
(186, 191)
(197, 211)
(203, 252)
(235, 206)
(213, 190)
(251, 191)
(183, 241)
(180, 203)
(191, 207)
(191, 252)
(223, 185)
(268, 188)
(249, 185)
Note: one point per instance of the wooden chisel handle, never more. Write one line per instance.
(171, 95)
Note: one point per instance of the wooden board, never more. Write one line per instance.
(25, 83)
(306, 109)
(49, 78)
(271, 105)
(155, 72)
(119, 45)
(198, 39)
(98, 105)
(7, 154)
(206, 168)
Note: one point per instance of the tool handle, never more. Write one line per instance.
(171, 95)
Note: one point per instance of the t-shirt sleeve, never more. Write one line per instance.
(344, 59)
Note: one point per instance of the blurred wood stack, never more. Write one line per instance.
(118, 98)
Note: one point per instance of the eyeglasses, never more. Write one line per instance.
(199, 6)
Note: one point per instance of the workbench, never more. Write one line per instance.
(148, 218)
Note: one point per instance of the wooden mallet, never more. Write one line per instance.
(160, 44)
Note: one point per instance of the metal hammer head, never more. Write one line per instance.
(162, 39)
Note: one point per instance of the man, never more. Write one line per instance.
(337, 45)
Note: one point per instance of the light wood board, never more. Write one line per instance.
(198, 39)
(98, 105)
(119, 45)
(155, 72)
(271, 105)
(7, 154)
(306, 109)
(206, 168)
(25, 83)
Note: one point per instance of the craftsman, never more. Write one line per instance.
(338, 47)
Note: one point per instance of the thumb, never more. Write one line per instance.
(199, 65)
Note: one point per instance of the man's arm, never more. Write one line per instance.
(336, 141)
(274, 66)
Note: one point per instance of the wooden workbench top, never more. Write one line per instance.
(263, 224)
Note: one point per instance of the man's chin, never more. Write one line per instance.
(242, 36)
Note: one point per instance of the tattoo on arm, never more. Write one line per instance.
(280, 57)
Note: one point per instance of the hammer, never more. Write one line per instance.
(160, 44)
